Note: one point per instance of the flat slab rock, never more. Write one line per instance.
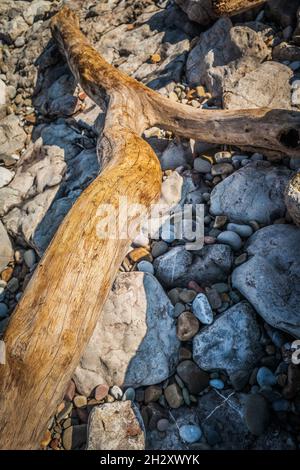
(255, 192)
(270, 279)
(134, 342)
(178, 266)
(116, 426)
(231, 343)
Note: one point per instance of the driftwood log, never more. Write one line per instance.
(205, 12)
(58, 311)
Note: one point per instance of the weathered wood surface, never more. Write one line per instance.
(233, 7)
(56, 316)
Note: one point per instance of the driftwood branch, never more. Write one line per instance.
(233, 7)
(56, 316)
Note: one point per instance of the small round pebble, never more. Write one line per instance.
(217, 383)
(29, 258)
(116, 392)
(190, 433)
(145, 267)
(265, 377)
(162, 425)
(243, 231)
(159, 248)
(201, 165)
(230, 238)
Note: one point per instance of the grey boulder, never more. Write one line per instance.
(270, 279)
(255, 192)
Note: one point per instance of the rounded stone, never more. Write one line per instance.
(145, 267)
(190, 433)
(159, 248)
(256, 414)
(265, 377)
(187, 326)
(129, 394)
(230, 238)
(101, 392)
(217, 383)
(29, 258)
(202, 166)
(195, 378)
(116, 392)
(243, 231)
(202, 309)
(162, 425)
(173, 396)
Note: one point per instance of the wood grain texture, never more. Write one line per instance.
(56, 316)
(233, 7)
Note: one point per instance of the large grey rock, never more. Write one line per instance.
(231, 343)
(178, 266)
(224, 50)
(255, 192)
(134, 342)
(6, 251)
(267, 86)
(12, 136)
(116, 426)
(292, 198)
(270, 279)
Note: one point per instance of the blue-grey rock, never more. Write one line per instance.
(231, 343)
(178, 266)
(265, 377)
(201, 165)
(255, 192)
(30, 258)
(3, 310)
(281, 405)
(256, 414)
(270, 279)
(243, 231)
(145, 267)
(202, 309)
(230, 238)
(217, 383)
(190, 433)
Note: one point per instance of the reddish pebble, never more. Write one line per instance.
(101, 391)
(193, 285)
(70, 392)
(82, 96)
